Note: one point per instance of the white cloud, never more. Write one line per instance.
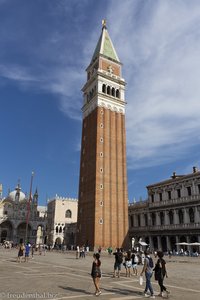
(16, 73)
(162, 67)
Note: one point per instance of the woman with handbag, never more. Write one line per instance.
(160, 273)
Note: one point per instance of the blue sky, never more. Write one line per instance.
(46, 46)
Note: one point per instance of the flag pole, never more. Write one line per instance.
(28, 207)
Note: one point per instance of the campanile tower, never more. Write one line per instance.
(103, 199)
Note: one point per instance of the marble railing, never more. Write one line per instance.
(166, 227)
(188, 199)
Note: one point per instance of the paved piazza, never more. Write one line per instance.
(61, 276)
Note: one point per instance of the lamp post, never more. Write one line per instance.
(28, 207)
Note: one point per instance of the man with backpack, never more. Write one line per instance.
(118, 262)
(148, 270)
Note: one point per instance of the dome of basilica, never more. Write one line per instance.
(17, 195)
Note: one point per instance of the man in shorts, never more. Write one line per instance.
(118, 262)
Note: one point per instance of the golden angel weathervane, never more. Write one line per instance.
(104, 23)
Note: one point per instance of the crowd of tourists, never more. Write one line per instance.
(130, 261)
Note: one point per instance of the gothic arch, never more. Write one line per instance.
(21, 231)
(6, 229)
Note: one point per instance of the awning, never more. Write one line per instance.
(143, 244)
(194, 244)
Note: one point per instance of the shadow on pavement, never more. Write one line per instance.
(68, 288)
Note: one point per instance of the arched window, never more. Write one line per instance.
(171, 217)
(180, 215)
(191, 215)
(68, 213)
(108, 90)
(113, 92)
(117, 93)
(104, 88)
(60, 230)
(56, 229)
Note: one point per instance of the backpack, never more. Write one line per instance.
(119, 257)
(151, 264)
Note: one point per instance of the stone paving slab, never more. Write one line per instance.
(60, 276)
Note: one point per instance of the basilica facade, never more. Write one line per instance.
(21, 219)
(171, 214)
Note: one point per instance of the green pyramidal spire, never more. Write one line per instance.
(105, 46)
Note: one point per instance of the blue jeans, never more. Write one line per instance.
(148, 276)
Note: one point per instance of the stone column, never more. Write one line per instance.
(196, 215)
(183, 191)
(176, 220)
(142, 220)
(159, 243)
(189, 248)
(177, 246)
(14, 235)
(193, 187)
(168, 243)
(149, 219)
(135, 221)
(186, 216)
(166, 217)
(157, 218)
(151, 243)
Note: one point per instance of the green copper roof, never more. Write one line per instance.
(105, 47)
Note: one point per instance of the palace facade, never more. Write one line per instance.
(170, 215)
(62, 221)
